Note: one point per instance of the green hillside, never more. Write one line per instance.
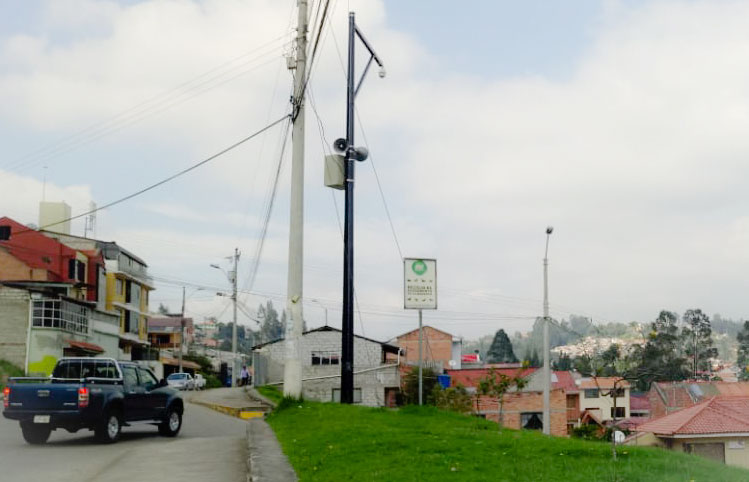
(326, 441)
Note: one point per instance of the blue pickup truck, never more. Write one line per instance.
(98, 394)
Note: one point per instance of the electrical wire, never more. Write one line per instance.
(163, 181)
(144, 109)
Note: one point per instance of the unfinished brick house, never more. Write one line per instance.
(668, 397)
(524, 409)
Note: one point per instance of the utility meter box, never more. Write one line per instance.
(335, 175)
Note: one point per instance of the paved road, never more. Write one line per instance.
(211, 446)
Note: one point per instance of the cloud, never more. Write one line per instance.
(637, 158)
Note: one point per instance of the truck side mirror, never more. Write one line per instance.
(162, 383)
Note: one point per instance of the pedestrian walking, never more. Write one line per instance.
(245, 376)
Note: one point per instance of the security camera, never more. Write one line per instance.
(340, 145)
(549, 229)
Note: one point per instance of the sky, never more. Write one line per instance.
(620, 123)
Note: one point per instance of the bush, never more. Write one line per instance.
(586, 432)
(212, 381)
(411, 386)
(7, 370)
(455, 399)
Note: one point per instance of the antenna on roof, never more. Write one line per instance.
(90, 221)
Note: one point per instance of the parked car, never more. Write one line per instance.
(98, 394)
(199, 382)
(181, 381)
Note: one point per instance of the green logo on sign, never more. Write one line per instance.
(419, 267)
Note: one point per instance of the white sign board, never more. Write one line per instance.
(420, 284)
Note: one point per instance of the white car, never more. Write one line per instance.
(199, 382)
(181, 381)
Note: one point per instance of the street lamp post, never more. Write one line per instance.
(232, 275)
(351, 154)
(547, 361)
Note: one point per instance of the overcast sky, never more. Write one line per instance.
(621, 123)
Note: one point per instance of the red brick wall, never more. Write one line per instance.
(437, 346)
(517, 403)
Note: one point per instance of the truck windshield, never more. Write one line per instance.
(82, 368)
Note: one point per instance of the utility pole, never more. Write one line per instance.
(547, 362)
(234, 325)
(351, 154)
(181, 329)
(292, 373)
(421, 362)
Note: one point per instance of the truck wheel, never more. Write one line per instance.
(35, 434)
(171, 425)
(109, 428)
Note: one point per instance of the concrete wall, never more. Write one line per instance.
(737, 456)
(367, 356)
(14, 324)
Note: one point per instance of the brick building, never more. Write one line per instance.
(440, 350)
(524, 409)
(668, 397)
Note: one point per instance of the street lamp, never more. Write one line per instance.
(547, 362)
(232, 275)
(323, 307)
(352, 154)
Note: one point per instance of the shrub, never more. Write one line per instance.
(455, 399)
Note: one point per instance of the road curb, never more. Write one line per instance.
(244, 413)
(266, 462)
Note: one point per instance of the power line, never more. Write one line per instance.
(164, 181)
(153, 105)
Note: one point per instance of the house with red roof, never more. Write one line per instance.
(669, 397)
(606, 398)
(51, 301)
(716, 428)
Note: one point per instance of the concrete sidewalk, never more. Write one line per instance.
(231, 401)
(265, 459)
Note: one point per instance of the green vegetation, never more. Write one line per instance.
(272, 393)
(7, 369)
(326, 441)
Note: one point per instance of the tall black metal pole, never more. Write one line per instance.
(347, 336)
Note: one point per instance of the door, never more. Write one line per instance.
(154, 397)
(133, 393)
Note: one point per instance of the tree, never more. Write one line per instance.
(564, 363)
(496, 384)
(411, 386)
(661, 357)
(271, 328)
(500, 350)
(742, 352)
(163, 309)
(696, 336)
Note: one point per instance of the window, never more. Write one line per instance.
(71, 268)
(531, 420)
(620, 413)
(326, 358)
(337, 395)
(51, 313)
(4, 233)
(591, 393)
(118, 287)
(82, 368)
(130, 376)
(80, 269)
(619, 393)
(147, 379)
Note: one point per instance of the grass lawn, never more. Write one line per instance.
(326, 441)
